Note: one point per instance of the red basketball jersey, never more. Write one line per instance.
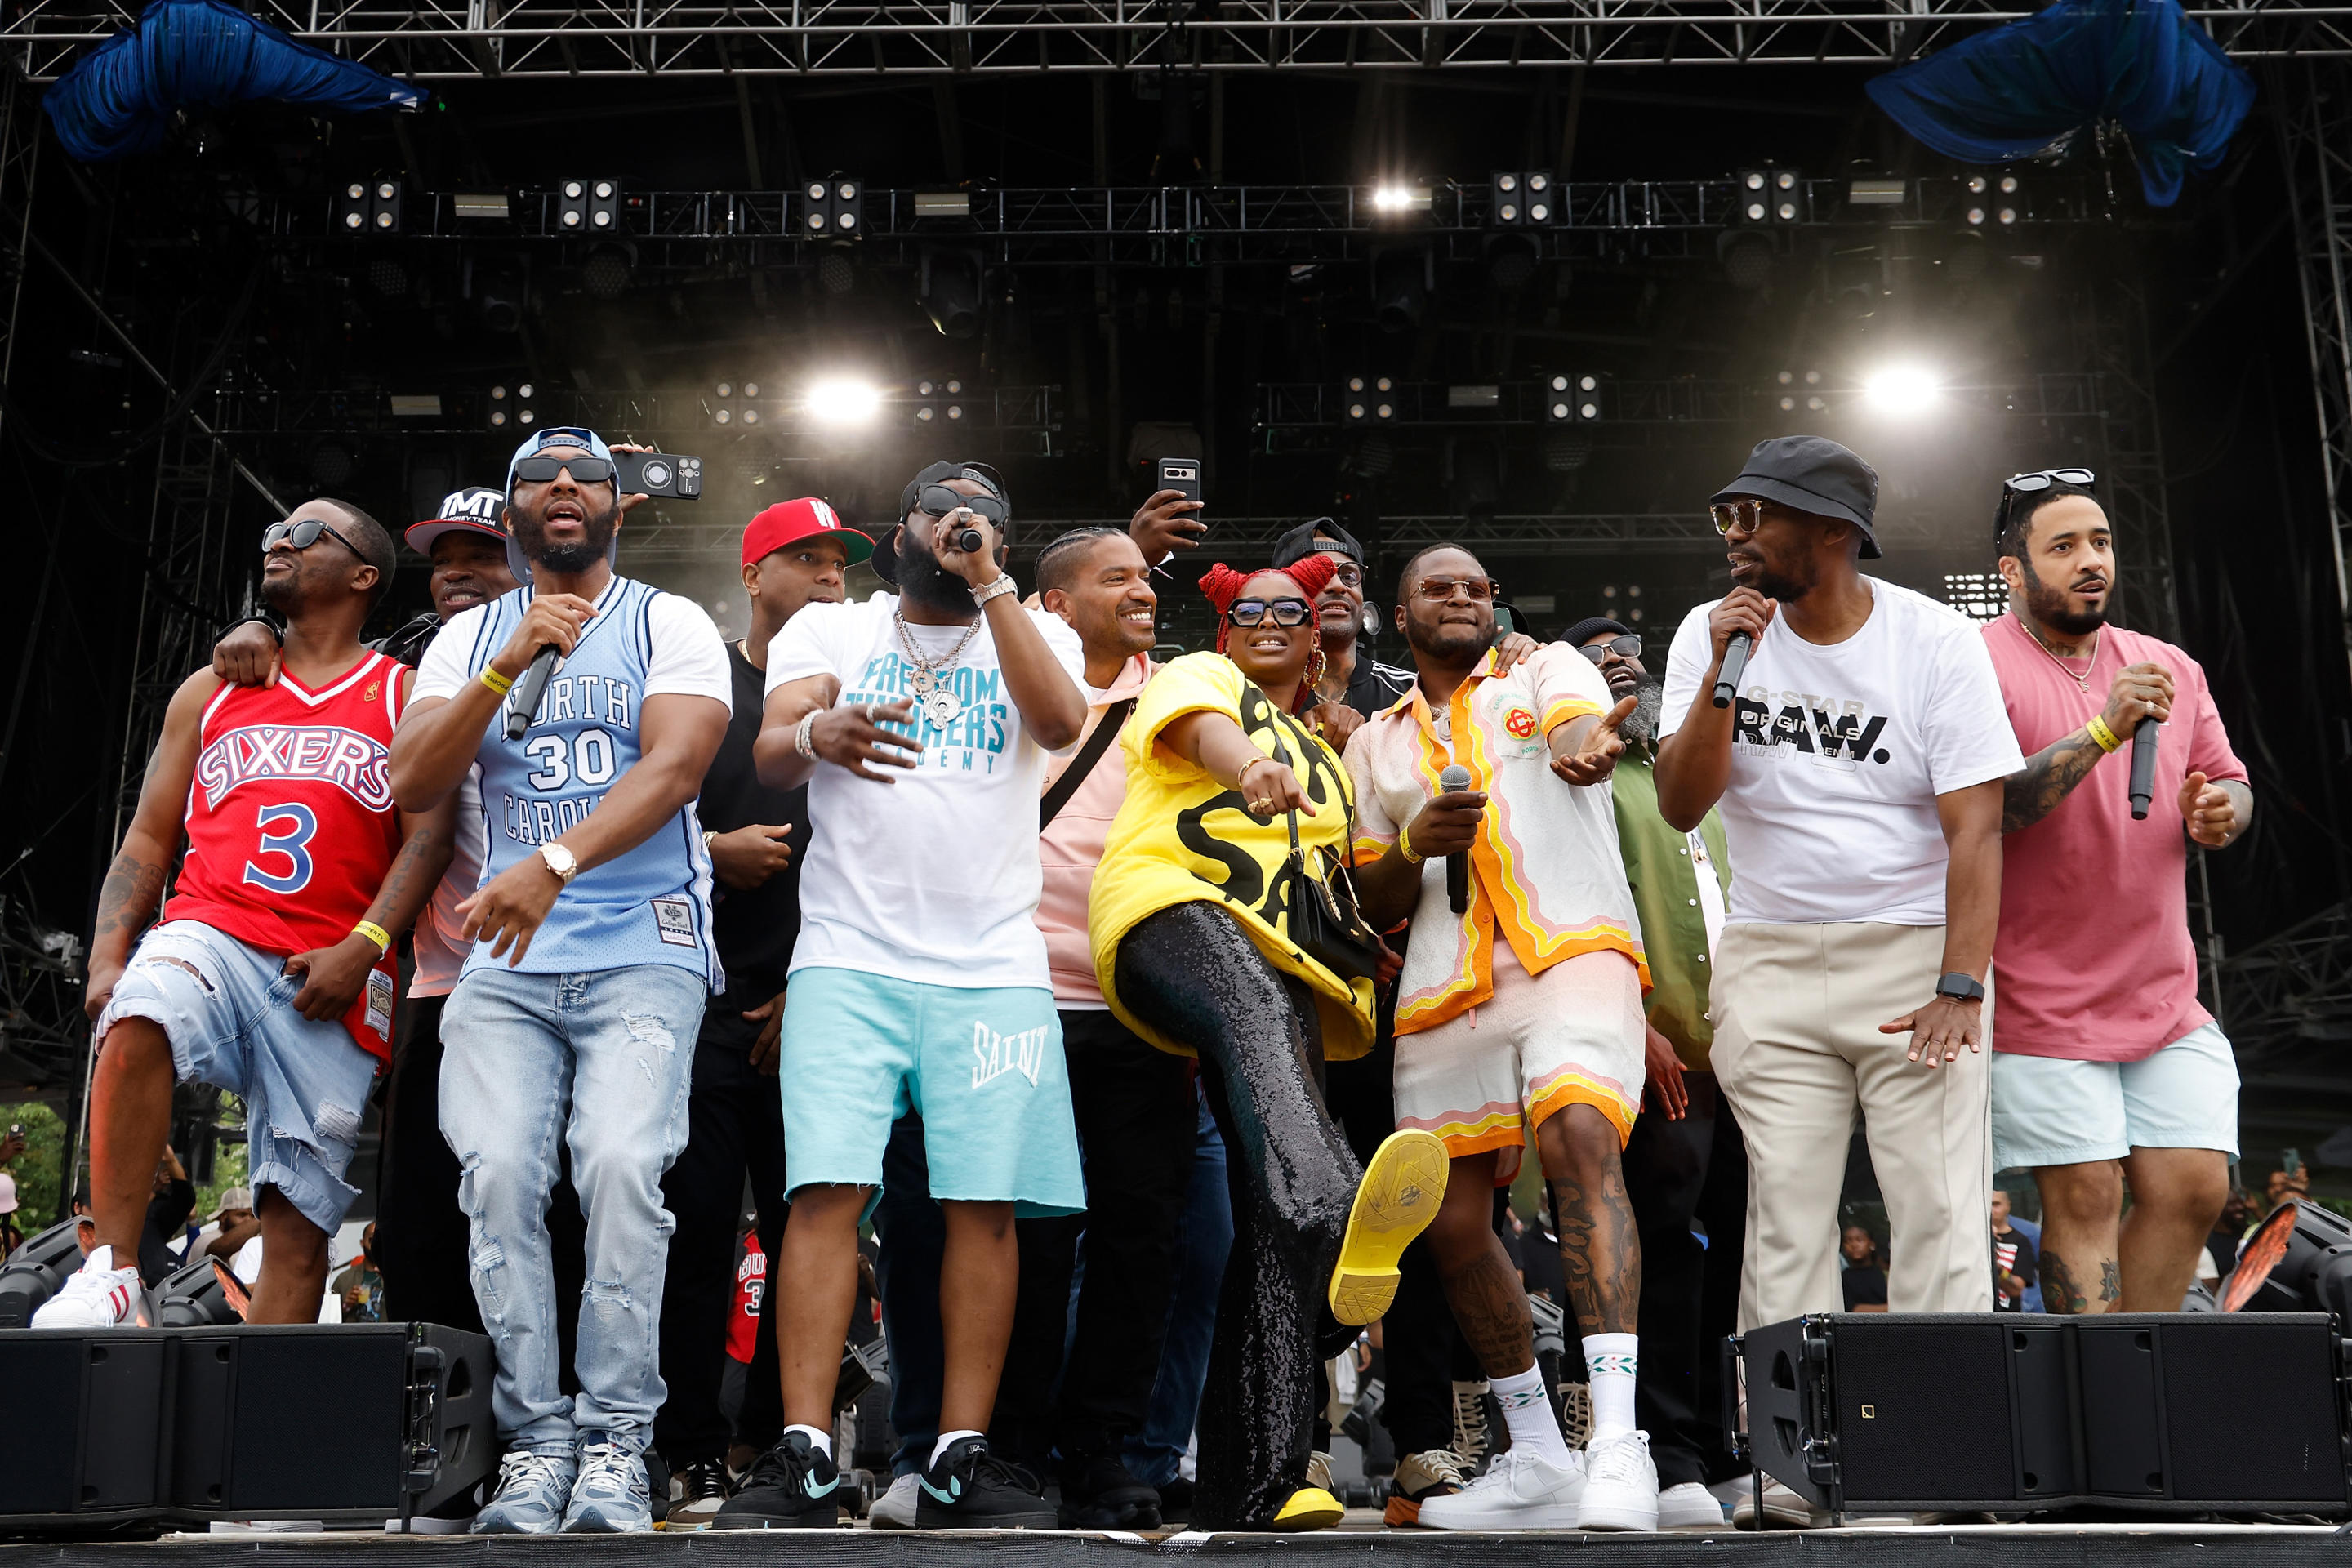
(291, 823)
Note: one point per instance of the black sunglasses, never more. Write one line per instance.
(1627, 647)
(938, 501)
(2041, 480)
(301, 534)
(584, 470)
(1252, 611)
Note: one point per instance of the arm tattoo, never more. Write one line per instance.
(127, 901)
(2027, 797)
(394, 896)
(1601, 1251)
(1491, 1307)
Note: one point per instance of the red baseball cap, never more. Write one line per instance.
(790, 521)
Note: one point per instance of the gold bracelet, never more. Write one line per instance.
(1404, 845)
(2108, 739)
(376, 934)
(495, 681)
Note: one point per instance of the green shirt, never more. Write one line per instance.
(1665, 899)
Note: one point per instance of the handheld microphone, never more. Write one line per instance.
(2143, 774)
(1454, 779)
(528, 691)
(968, 539)
(1735, 665)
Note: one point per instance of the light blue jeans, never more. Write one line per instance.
(603, 1061)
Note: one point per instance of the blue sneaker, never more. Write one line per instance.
(790, 1487)
(612, 1496)
(534, 1489)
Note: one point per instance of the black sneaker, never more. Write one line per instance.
(1101, 1494)
(1175, 1500)
(968, 1487)
(790, 1487)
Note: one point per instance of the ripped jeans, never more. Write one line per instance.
(227, 1009)
(603, 1061)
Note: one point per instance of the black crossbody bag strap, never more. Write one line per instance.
(1114, 720)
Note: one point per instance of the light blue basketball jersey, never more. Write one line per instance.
(651, 905)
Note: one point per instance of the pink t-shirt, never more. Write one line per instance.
(2094, 961)
(1072, 847)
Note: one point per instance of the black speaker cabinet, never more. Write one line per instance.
(348, 1423)
(2010, 1414)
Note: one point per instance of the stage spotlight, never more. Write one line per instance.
(1568, 450)
(588, 206)
(1400, 290)
(498, 405)
(836, 206)
(948, 287)
(843, 402)
(330, 465)
(1746, 258)
(606, 275)
(1572, 398)
(1519, 197)
(368, 206)
(1900, 390)
(1375, 456)
(835, 275)
(500, 301)
(1511, 260)
(1391, 199)
(2299, 1260)
(388, 278)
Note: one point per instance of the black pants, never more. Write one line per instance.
(1422, 1344)
(1137, 1122)
(422, 1233)
(1197, 976)
(1676, 1172)
(735, 1120)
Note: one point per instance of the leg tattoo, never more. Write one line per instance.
(1601, 1251)
(2064, 1291)
(1491, 1307)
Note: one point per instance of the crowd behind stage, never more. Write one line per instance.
(1144, 1051)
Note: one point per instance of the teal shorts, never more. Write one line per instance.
(984, 1068)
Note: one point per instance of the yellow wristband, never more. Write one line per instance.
(376, 934)
(495, 681)
(2108, 739)
(1404, 846)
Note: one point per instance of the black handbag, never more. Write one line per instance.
(1326, 923)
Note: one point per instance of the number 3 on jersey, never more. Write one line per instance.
(593, 760)
(295, 825)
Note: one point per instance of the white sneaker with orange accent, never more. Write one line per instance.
(101, 1297)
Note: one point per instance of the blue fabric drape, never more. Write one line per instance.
(2011, 93)
(118, 99)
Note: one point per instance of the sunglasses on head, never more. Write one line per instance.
(1252, 612)
(2041, 480)
(301, 534)
(584, 470)
(938, 501)
(1627, 647)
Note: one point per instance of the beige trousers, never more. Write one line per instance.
(1797, 1051)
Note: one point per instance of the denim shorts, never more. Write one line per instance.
(2052, 1110)
(229, 1011)
(984, 1067)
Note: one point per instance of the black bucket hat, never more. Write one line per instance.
(1813, 474)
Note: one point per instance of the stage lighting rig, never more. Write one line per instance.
(1368, 400)
(1391, 199)
(1402, 283)
(727, 411)
(1900, 391)
(368, 207)
(588, 206)
(1768, 196)
(1519, 197)
(1572, 397)
(843, 401)
(940, 404)
(835, 209)
(1999, 198)
(948, 285)
(512, 408)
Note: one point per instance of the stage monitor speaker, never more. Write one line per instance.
(2010, 1413)
(34, 1270)
(346, 1424)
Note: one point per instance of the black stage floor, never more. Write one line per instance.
(2116, 1546)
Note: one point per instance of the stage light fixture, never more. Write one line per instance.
(1399, 198)
(1746, 258)
(835, 275)
(1572, 397)
(388, 278)
(948, 285)
(835, 207)
(498, 414)
(1787, 196)
(606, 274)
(1568, 450)
(843, 402)
(1517, 196)
(1900, 391)
(330, 465)
(1512, 260)
(1375, 456)
(588, 206)
(1401, 286)
(368, 206)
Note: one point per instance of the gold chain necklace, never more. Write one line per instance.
(2083, 681)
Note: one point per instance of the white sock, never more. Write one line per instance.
(819, 1438)
(1526, 1410)
(1610, 1362)
(949, 1440)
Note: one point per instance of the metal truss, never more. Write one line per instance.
(445, 38)
(2314, 129)
(2292, 991)
(42, 1034)
(1312, 405)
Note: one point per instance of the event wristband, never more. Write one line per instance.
(376, 934)
(2108, 739)
(1404, 844)
(495, 681)
(804, 738)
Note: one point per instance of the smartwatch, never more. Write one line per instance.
(1960, 988)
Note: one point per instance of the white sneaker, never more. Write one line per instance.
(610, 1493)
(1782, 1507)
(1689, 1506)
(1620, 1489)
(100, 1297)
(895, 1509)
(535, 1490)
(1520, 1490)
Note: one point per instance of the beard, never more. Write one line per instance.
(531, 535)
(283, 594)
(922, 579)
(2048, 605)
(1773, 585)
(1447, 645)
(1649, 702)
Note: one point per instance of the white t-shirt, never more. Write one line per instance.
(687, 655)
(440, 944)
(1839, 752)
(934, 876)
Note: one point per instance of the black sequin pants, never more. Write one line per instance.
(1194, 974)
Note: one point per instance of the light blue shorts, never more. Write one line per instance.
(984, 1067)
(2047, 1110)
(229, 1011)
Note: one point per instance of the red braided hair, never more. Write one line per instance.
(1223, 585)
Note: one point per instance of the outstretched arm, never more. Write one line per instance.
(134, 881)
